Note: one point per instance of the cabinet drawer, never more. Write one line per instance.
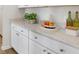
(35, 48)
(66, 49)
(52, 44)
(20, 29)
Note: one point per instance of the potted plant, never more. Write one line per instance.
(31, 17)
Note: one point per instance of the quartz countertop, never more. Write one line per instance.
(53, 34)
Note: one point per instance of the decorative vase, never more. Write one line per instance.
(32, 21)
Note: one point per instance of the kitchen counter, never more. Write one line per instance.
(56, 34)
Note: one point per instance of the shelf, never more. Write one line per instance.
(41, 6)
(30, 6)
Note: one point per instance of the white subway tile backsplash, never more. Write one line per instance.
(59, 14)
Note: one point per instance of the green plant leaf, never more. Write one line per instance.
(30, 16)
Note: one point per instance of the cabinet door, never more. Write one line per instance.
(14, 40)
(19, 42)
(23, 44)
(35, 48)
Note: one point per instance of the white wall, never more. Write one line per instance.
(61, 14)
(9, 13)
(1, 19)
(43, 13)
(57, 14)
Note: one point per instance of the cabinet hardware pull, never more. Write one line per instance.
(17, 34)
(44, 50)
(48, 53)
(61, 50)
(35, 37)
(21, 30)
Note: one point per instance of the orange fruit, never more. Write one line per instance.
(51, 24)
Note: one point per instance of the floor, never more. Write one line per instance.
(8, 51)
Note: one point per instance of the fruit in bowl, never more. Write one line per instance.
(51, 24)
(48, 24)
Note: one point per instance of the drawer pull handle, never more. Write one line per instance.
(35, 37)
(44, 50)
(48, 53)
(17, 34)
(21, 30)
(61, 50)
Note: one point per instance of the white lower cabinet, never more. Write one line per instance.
(56, 46)
(25, 41)
(19, 42)
(35, 48)
(14, 40)
(23, 44)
